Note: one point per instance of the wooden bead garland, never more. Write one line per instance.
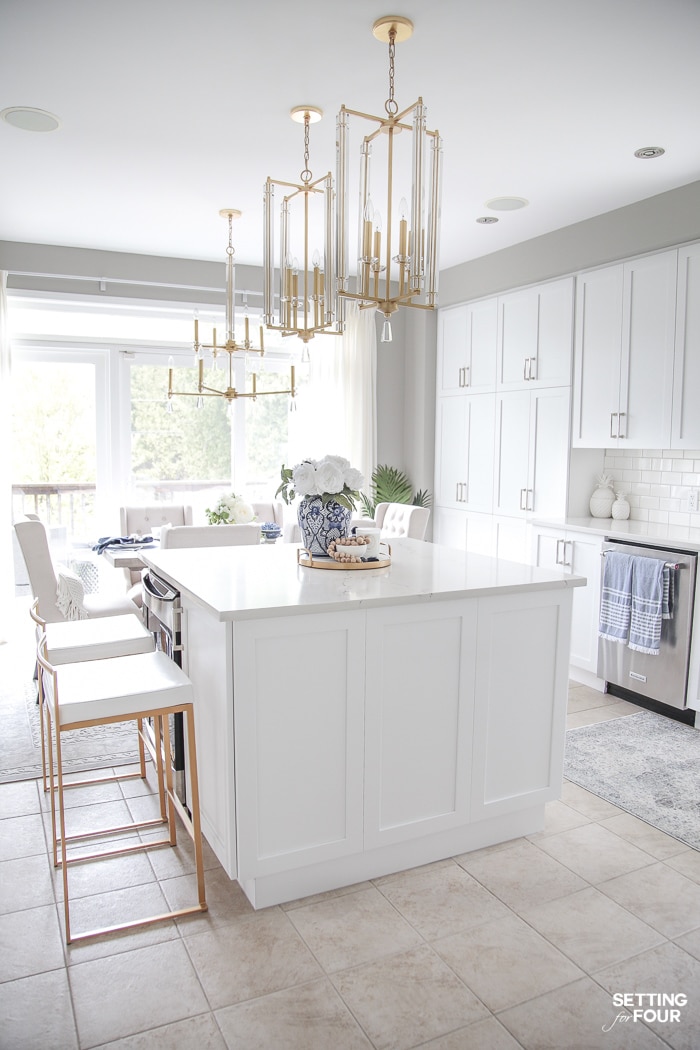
(351, 549)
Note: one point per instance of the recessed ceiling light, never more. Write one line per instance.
(29, 119)
(649, 152)
(486, 220)
(506, 203)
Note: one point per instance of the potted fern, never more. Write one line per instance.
(389, 485)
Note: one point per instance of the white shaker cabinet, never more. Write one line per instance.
(535, 329)
(464, 450)
(532, 438)
(467, 337)
(579, 554)
(685, 424)
(623, 356)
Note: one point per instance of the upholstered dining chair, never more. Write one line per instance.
(143, 520)
(208, 535)
(44, 580)
(401, 520)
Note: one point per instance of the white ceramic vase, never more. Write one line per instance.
(601, 502)
(621, 507)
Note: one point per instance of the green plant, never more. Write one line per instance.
(389, 485)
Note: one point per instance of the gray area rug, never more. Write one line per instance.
(646, 764)
(20, 742)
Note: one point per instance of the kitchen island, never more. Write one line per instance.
(355, 723)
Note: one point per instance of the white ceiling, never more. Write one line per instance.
(173, 109)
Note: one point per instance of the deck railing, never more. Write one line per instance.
(72, 504)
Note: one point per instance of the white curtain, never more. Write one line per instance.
(6, 562)
(338, 415)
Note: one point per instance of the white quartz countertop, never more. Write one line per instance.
(247, 582)
(635, 531)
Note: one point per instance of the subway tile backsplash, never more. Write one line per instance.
(657, 483)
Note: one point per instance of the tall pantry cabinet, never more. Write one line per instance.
(502, 420)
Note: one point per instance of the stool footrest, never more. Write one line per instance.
(139, 922)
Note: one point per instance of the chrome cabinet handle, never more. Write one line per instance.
(612, 415)
(623, 415)
(464, 376)
(566, 543)
(523, 499)
(526, 368)
(557, 559)
(533, 368)
(467, 381)
(529, 499)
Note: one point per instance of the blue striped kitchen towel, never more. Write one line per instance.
(647, 605)
(616, 597)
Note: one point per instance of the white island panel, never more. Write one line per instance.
(418, 723)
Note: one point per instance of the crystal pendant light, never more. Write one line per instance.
(306, 300)
(397, 259)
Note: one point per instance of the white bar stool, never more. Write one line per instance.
(72, 641)
(98, 692)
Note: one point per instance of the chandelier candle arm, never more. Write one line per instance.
(230, 347)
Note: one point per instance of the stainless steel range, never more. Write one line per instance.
(663, 678)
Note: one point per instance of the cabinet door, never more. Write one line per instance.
(418, 720)
(517, 337)
(535, 336)
(512, 452)
(583, 559)
(451, 445)
(549, 451)
(520, 702)
(597, 351)
(293, 732)
(685, 426)
(547, 547)
(450, 527)
(464, 452)
(646, 373)
(555, 326)
(452, 349)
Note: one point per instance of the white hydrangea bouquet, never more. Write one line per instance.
(331, 478)
(230, 510)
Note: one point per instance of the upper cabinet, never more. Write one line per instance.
(623, 354)
(685, 429)
(535, 329)
(467, 344)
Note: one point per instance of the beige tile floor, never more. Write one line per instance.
(519, 945)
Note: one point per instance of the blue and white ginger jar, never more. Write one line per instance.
(319, 525)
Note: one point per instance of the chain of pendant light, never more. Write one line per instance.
(391, 106)
(306, 174)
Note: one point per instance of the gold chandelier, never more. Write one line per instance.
(397, 265)
(306, 294)
(229, 347)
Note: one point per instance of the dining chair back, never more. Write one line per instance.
(397, 520)
(34, 545)
(144, 520)
(208, 535)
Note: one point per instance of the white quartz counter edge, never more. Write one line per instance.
(635, 531)
(242, 583)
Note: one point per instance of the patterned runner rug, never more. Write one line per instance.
(646, 764)
(20, 741)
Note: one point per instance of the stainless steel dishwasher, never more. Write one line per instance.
(663, 678)
(162, 614)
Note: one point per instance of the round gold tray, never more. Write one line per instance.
(305, 557)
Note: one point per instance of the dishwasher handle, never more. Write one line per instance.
(159, 588)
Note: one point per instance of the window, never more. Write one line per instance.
(131, 448)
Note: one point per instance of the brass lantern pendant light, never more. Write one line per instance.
(397, 243)
(306, 295)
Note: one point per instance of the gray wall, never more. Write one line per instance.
(657, 222)
(406, 366)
